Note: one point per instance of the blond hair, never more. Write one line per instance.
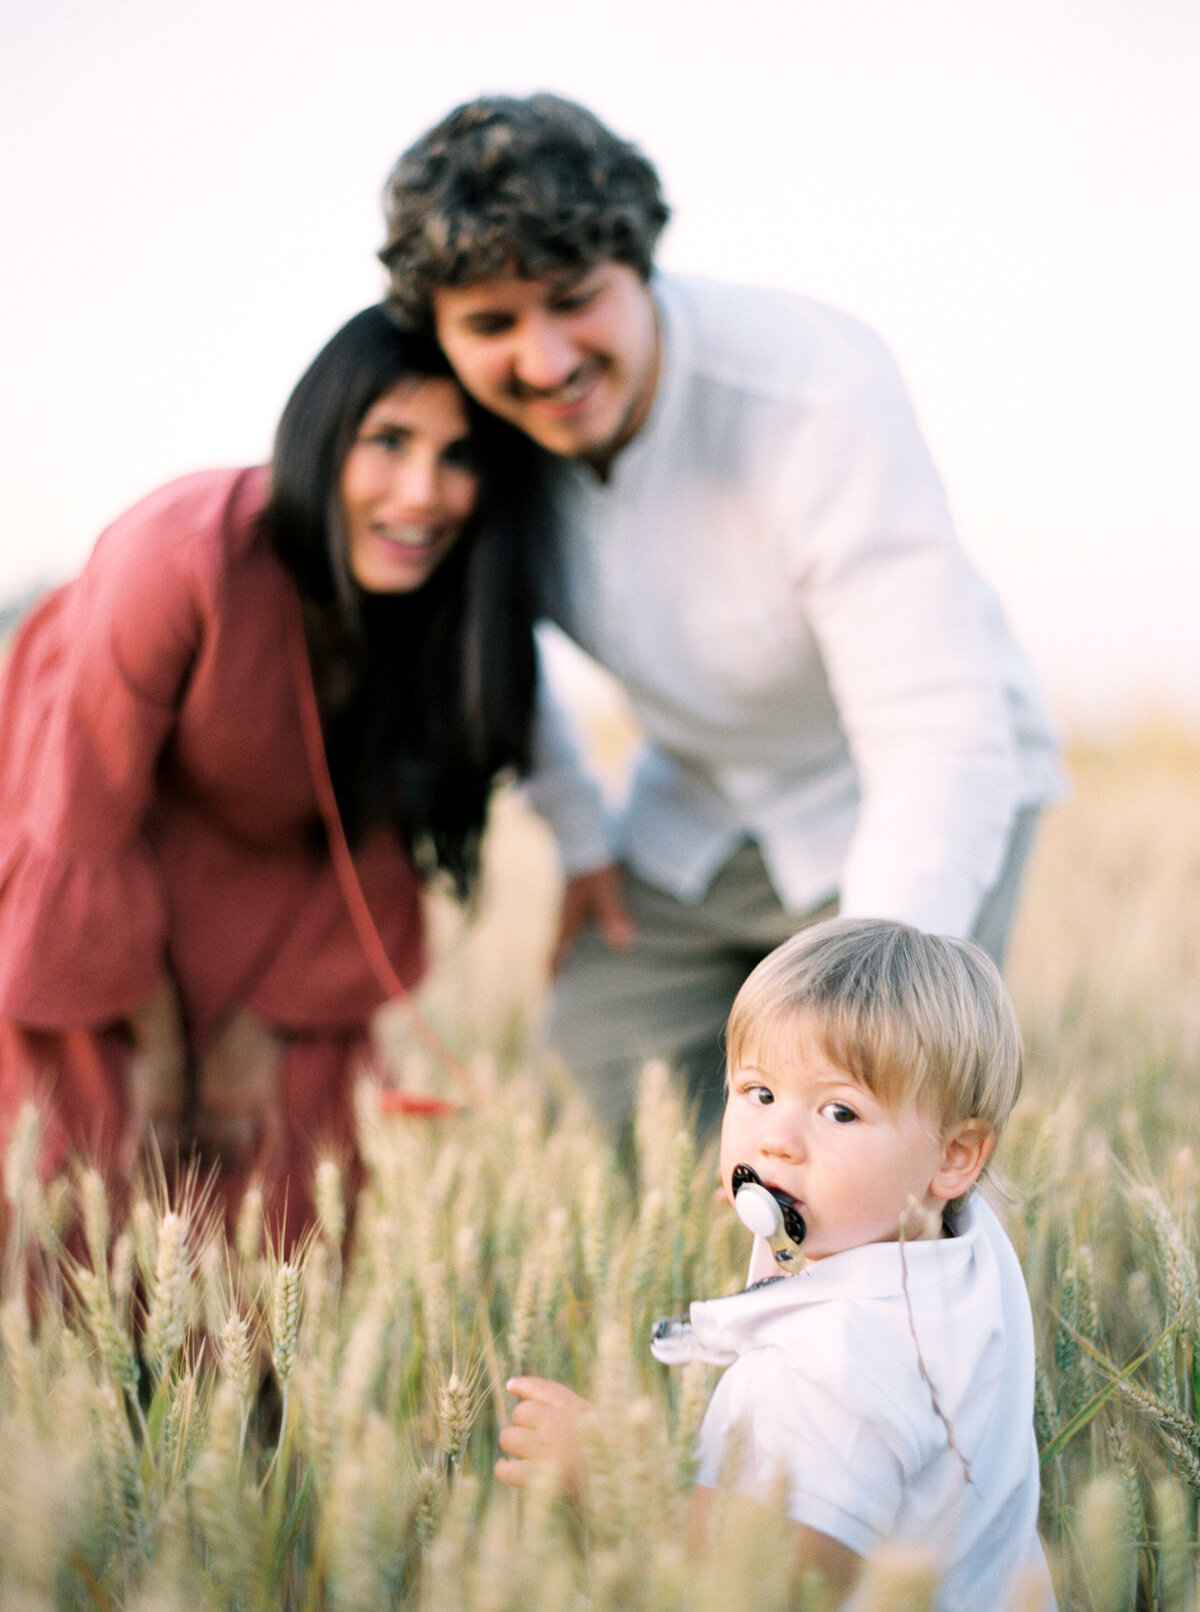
(912, 1017)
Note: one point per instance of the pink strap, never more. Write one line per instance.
(360, 913)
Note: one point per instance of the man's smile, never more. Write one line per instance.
(573, 391)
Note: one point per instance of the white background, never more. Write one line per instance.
(1006, 189)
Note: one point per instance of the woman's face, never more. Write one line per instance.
(408, 485)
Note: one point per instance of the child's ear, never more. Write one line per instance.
(965, 1150)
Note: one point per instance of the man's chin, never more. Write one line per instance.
(594, 435)
(570, 441)
(597, 445)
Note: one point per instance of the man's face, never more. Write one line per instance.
(570, 359)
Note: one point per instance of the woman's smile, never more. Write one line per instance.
(408, 486)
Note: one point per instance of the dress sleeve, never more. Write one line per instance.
(89, 697)
(914, 653)
(768, 1428)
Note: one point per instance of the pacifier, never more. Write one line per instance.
(770, 1214)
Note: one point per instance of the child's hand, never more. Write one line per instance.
(546, 1429)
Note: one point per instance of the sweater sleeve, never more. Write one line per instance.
(560, 787)
(906, 631)
(89, 697)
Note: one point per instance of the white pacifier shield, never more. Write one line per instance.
(758, 1211)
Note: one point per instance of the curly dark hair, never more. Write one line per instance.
(504, 185)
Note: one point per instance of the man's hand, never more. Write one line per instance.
(546, 1430)
(598, 898)
(155, 1077)
(239, 1099)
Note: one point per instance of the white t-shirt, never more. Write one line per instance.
(771, 572)
(824, 1382)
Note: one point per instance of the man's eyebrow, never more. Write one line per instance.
(483, 314)
(568, 280)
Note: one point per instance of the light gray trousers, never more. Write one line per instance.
(670, 994)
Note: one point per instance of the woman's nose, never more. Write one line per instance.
(418, 485)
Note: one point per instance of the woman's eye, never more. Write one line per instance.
(461, 455)
(389, 441)
(839, 1113)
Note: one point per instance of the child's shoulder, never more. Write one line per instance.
(870, 1328)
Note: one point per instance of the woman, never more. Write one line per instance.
(177, 953)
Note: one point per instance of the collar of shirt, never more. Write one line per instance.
(718, 1330)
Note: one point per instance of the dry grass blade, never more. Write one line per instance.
(357, 1471)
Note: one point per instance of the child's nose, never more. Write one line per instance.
(784, 1132)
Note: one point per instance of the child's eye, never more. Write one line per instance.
(839, 1113)
(760, 1094)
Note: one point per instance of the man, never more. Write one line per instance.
(755, 541)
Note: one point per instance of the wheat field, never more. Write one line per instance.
(191, 1422)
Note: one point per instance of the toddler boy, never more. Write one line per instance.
(871, 1068)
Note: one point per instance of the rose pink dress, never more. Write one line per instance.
(158, 814)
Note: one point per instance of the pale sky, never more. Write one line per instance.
(1005, 189)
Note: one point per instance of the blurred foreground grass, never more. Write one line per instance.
(187, 1424)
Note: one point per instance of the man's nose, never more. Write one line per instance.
(546, 356)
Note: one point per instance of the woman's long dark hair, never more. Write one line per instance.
(426, 696)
